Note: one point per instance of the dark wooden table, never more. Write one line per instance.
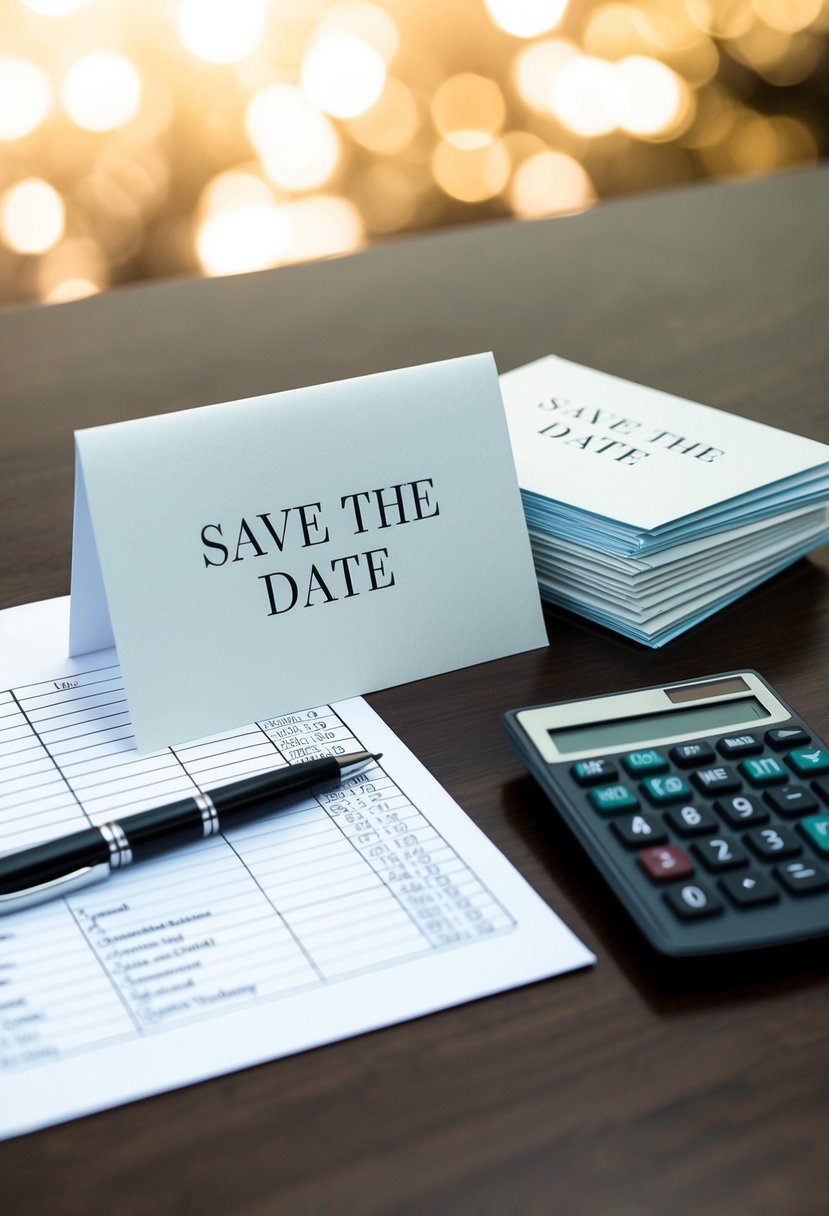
(629, 1089)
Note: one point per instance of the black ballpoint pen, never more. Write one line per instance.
(62, 866)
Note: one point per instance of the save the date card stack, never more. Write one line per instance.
(647, 512)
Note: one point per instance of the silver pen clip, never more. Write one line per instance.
(65, 885)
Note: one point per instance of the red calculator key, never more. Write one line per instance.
(664, 862)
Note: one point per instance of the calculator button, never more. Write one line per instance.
(665, 789)
(739, 745)
(693, 899)
(691, 755)
(766, 770)
(609, 798)
(803, 878)
(591, 772)
(720, 853)
(690, 820)
(636, 830)
(769, 843)
(821, 786)
(640, 763)
(791, 801)
(665, 862)
(749, 890)
(809, 761)
(718, 780)
(741, 810)
(816, 830)
(783, 737)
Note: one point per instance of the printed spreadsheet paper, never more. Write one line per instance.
(353, 909)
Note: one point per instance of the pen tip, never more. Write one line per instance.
(356, 762)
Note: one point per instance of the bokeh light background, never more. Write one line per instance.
(141, 138)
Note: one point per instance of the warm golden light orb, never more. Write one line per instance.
(102, 91)
(297, 143)
(343, 75)
(789, 16)
(241, 238)
(365, 21)
(31, 216)
(550, 183)
(71, 269)
(471, 174)
(587, 96)
(391, 124)
(221, 31)
(526, 18)
(615, 29)
(321, 226)
(721, 18)
(535, 70)
(68, 290)
(654, 99)
(234, 188)
(468, 110)
(25, 97)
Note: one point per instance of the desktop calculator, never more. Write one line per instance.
(704, 805)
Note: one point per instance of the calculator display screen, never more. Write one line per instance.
(624, 732)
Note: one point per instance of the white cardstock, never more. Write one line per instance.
(262, 555)
(637, 455)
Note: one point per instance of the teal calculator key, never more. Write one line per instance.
(666, 789)
(816, 830)
(609, 798)
(808, 761)
(592, 772)
(764, 770)
(648, 761)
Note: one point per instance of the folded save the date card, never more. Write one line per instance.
(258, 556)
(648, 512)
